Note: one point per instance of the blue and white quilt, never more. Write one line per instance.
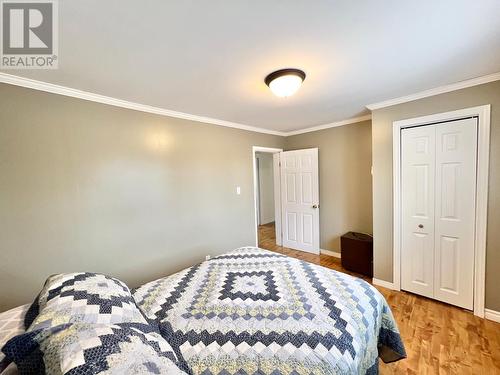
(85, 324)
(252, 311)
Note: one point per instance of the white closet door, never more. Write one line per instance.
(300, 199)
(456, 144)
(417, 193)
(438, 190)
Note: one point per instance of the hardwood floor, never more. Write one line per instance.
(439, 338)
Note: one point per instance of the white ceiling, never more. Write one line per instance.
(210, 58)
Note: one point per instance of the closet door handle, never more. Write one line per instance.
(420, 226)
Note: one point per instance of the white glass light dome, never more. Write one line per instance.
(285, 82)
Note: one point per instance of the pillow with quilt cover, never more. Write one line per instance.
(82, 297)
(87, 348)
(88, 323)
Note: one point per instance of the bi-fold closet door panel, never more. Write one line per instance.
(438, 210)
(456, 158)
(417, 194)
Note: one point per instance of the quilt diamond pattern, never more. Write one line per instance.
(257, 286)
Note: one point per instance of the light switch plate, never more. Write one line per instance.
(238, 190)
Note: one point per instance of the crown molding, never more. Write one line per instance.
(436, 91)
(97, 98)
(348, 121)
(85, 95)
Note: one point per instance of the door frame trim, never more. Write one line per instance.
(483, 152)
(277, 191)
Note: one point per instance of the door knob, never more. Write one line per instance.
(316, 206)
(420, 226)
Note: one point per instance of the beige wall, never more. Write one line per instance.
(266, 187)
(382, 176)
(345, 186)
(85, 186)
(90, 187)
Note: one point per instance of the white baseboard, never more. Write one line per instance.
(330, 253)
(385, 284)
(492, 315)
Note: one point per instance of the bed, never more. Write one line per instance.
(252, 311)
(255, 311)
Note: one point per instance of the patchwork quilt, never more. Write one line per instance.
(254, 311)
(86, 324)
(88, 348)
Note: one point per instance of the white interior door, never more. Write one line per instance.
(438, 209)
(300, 199)
(417, 196)
(456, 150)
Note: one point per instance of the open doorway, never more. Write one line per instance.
(267, 197)
(266, 218)
(295, 182)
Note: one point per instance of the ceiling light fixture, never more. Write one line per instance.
(285, 82)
